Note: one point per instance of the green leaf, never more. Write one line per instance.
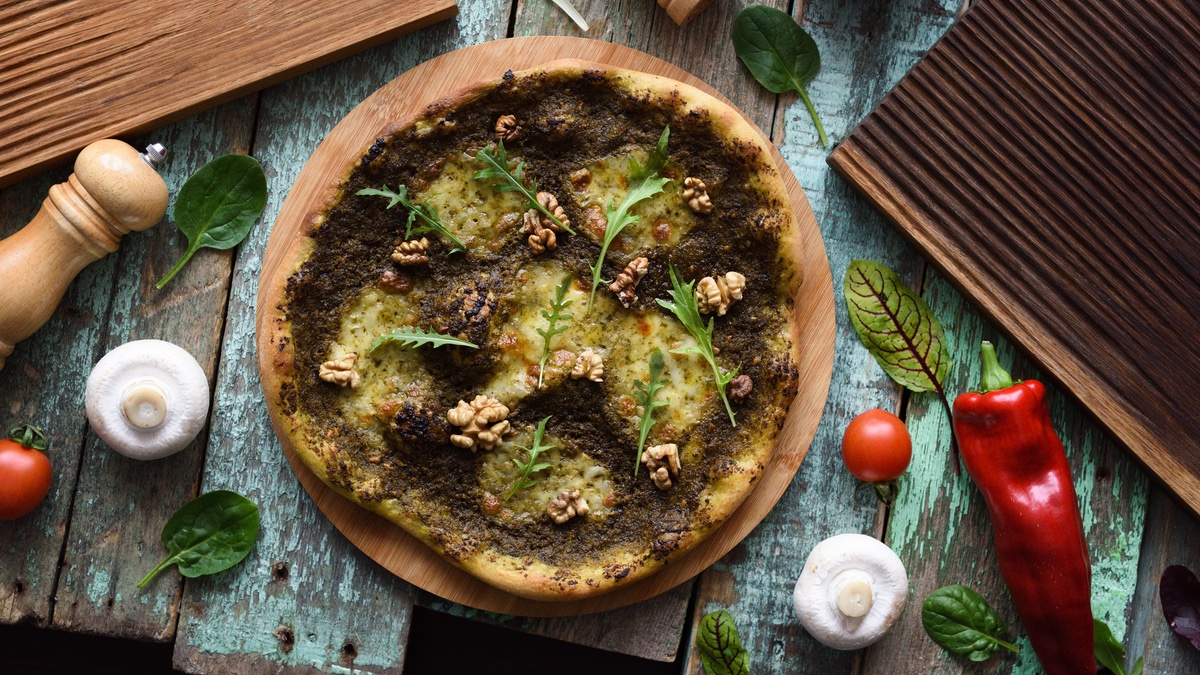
(426, 212)
(496, 168)
(896, 325)
(721, 649)
(531, 465)
(211, 533)
(645, 398)
(218, 205)
(644, 183)
(1109, 651)
(961, 621)
(552, 318)
(686, 308)
(779, 54)
(412, 336)
(1139, 666)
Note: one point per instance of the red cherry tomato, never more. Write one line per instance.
(24, 472)
(876, 446)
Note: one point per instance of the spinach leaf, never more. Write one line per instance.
(961, 621)
(1109, 651)
(211, 533)
(721, 649)
(779, 54)
(218, 205)
(1179, 592)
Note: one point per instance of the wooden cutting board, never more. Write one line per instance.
(73, 72)
(387, 543)
(1046, 157)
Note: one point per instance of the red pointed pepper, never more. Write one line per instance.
(1009, 447)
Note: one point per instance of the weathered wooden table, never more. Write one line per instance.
(307, 600)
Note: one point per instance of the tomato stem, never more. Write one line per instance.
(29, 436)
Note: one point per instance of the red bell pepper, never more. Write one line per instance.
(1009, 447)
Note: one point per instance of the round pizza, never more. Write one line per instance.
(545, 326)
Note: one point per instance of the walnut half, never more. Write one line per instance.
(589, 365)
(716, 294)
(663, 462)
(695, 192)
(625, 285)
(566, 506)
(484, 422)
(507, 129)
(413, 252)
(541, 238)
(341, 372)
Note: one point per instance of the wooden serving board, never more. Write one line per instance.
(386, 542)
(1046, 157)
(75, 72)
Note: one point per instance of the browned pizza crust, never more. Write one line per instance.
(580, 558)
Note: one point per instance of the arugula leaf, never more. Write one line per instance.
(961, 621)
(552, 318)
(514, 181)
(211, 533)
(1179, 592)
(531, 466)
(426, 212)
(779, 54)
(721, 649)
(218, 205)
(645, 398)
(644, 183)
(686, 308)
(413, 336)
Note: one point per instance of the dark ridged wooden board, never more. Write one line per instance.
(1046, 157)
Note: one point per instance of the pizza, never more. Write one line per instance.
(545, 326)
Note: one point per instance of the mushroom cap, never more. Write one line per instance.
(147, 399)
(837, 569)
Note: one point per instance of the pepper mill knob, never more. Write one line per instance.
(113, 191)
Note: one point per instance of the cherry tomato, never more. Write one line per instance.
(876, 446)
(24, 472)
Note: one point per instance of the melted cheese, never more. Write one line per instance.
(566, 474)
(471, 209)
(610, 181)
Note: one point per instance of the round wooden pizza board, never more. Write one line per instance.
(387, 543)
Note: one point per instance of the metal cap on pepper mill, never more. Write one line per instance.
(115, 190)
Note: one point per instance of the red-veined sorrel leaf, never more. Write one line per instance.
(1179, 591)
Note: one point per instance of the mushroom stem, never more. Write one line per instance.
(855, 599)
(144, 404)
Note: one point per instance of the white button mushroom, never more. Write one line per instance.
(851, 591)
(147, 399)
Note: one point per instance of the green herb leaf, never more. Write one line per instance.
(961, 621)
(218, 205)
(1110, 653)
(531, 465)
(211, 533)
(412, 336)
(514, 181)
(1139, 666)
(721, 649)
(552, 328)
(779, 54)
(686, 308)
(425, 212)
(645, 398)
(644, 183)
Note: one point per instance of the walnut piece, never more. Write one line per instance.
(549, 203)
(491, 504)
(626, 282)
(412, 252)
(541, 238)
(483, 422)
(716, 294)
(663, 462)
(566, 506)
(695, 192)
(740, 387)
(507, 129)
(395, 282)
(341, 372)
(589, 365)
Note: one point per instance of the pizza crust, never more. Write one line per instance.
(530, 577)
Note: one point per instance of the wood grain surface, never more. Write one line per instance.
(75, 72)
(388, 544)
(1045, 158)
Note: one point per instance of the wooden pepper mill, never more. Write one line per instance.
(114, 190)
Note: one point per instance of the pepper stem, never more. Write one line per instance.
(993, 377)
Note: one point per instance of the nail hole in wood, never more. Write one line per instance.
(1102, 474)
(349, 652)
(287, 638)
(280, 571)
(109, 603)
(18, 587)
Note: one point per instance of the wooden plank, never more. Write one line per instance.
(1078, 230)
(121, 503)
(755, 582)
(43, 384)
(940, 528)
(1170, 539)
(76, 72)
(305, 598)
